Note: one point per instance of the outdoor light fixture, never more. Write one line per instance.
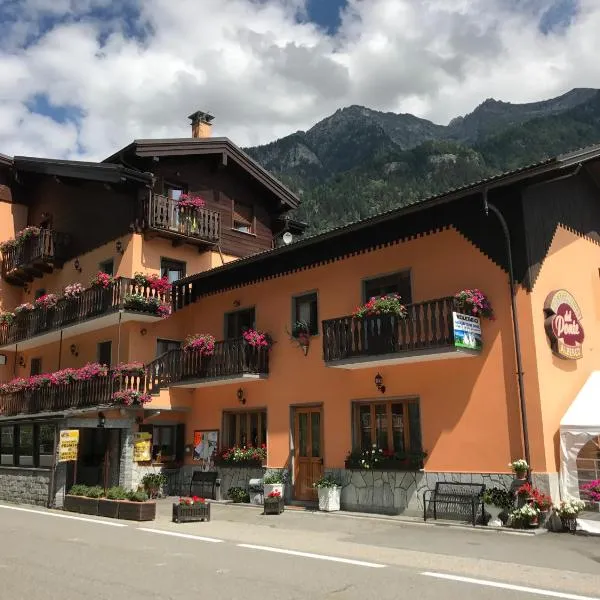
(143, 331)
(240, 396)
(77, 265)
(21, 361)
(101, 420)
(73, 349)
(119, 247)
(379, 383)
(236, 303)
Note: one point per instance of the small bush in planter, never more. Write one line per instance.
(273, 478)
(152, 483)
(238, 494)
(137, 496)
(116, 493)
(78, 490)
(329, 490)
(502, 500)
(94, 492)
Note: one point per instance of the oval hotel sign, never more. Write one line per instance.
(563, 325)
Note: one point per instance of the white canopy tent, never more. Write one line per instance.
(580, 424)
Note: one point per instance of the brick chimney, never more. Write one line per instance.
(201, 124)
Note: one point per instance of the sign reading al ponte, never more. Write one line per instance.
(563, 325)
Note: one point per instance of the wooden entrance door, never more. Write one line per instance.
(308, 451)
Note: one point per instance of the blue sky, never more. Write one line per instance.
(83, 77)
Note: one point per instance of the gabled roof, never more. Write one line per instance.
(6, 160)
(103, 172)
(361, 235)
(213, 145)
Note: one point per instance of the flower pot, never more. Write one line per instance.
(182, 513)
(137, 511)
(569, 524)
(108, 508)
(273, 506)
(494, 512)
(73, 503)
(520, 475)
(329, 498)
(268, 488)
(88, 506)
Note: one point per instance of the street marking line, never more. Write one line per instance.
(348, 561)
(508, 586)
(188, 536)
(60, 516)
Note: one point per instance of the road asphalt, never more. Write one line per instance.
(51, 555)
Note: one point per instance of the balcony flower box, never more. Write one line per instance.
(191, 509)
(137, 511)
(273, 505)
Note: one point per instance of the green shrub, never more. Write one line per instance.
(78, 490)
(238, 494)
(95, 492)
(274, 477)
(116, 493)
(137, 496)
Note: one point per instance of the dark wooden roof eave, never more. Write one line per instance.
(223, 146)
(6, 161)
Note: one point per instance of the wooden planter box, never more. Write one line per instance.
(88, 506)
(196, 512)
(73, 503)
(273, 506)
(108, 508)
(137, 511)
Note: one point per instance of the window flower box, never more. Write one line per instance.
(186, 513)
(273, 505)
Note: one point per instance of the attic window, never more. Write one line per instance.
(242, 217)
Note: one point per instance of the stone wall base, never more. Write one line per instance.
(26, 486)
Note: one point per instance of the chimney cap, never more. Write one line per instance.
(201, 117)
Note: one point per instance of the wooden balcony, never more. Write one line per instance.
(33, 258)
(95, 309)
(427, 333)
(74, 397)
(233, 361)
(166, 218)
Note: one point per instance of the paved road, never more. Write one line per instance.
(52, 556)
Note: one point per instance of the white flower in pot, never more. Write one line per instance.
(329, 491)
(497, 501)
(273, 481)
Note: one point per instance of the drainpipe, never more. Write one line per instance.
(489, 207)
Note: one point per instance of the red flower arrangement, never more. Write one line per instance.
(47, 301)
(257, 339)
(243, 454)
(102, 280)
(389, 304)
(132, 368)
(191, 500)
(274, 495)
(541, 501)
(131, 398)
(161, 285)
(190, 201)
(204, 343)
(475, 302)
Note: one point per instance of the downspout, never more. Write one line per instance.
(487, 207)
(53, 469)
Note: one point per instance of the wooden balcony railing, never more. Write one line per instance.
(164, 214)
(35, 256)
(427, 326)
(230, 358)
(93, 393)
(94, 302)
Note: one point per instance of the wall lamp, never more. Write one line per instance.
(22, 361)
(119, 247)
(101, 420)
(77, 265)
(236, 303)
(73, 349)
(143, 331)
(379, 383)
(240, 396)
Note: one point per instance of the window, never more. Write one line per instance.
(238, 321)
(396, 283)
(7, 445)
(173, 191)
(105, 353)
(393, 426)
(39, 293)
(25, 449)
(245, 428)
(163, 346)
(305, 310)
(35, 366)
(172, 269)
(27, 445)
(168, 442)
(107, 266)
(243, 217)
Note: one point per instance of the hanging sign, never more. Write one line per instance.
(68, 444)
(142, 446)
(467, 331)
(563, 325)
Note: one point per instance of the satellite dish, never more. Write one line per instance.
(288, 238)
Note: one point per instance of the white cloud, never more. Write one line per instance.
(265, 74)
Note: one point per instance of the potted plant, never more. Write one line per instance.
(190, 509)
(273, 504)
(203, 343)
(329, 492)
(497, 502)
(89, 504)
(474, 302)
(301, 335)
(242, 457)
(519, 467)
(592, 490)
(73, 291)
(568, 510)
(541, 501)
(273, 481)
(137, 507)
(388, 304)
(153, 482)
(238, 495)
(109, 506)
(102, 280)
(526, 516)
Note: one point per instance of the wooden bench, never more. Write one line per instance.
(203, 484)
(465, 496)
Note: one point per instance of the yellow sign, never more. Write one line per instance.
(142, 446)
(68, 444)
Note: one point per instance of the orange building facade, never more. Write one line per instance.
(388, 404)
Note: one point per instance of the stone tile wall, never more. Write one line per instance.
(27, 486)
